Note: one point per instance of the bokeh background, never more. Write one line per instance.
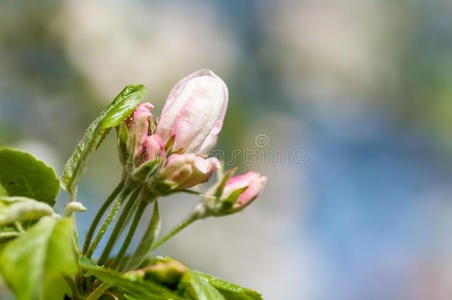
(354, 97)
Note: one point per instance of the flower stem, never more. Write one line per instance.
(144, 247)
(118, 227)
(132, 229)
(125, 192)
(196, 215)
(100, 213)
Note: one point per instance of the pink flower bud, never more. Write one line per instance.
(187, 170)
(194, 112)
(138, 124)
(153, 147)
(254, 183)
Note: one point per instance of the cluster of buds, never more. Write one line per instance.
(170, 154)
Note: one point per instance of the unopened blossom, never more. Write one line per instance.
(252, 181)
(194, 112)
(139, 125)
(187, 170)
(153, 147)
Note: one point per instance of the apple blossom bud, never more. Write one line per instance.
(187, 170)
(194, 112)
(150, 159)
(252, 181)
(232, 194)
(138, 125)
(153, 147)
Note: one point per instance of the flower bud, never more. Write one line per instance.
(73, 207)
(233, 194)
(153, 147)
(150, 159)
(194, 112)
(187, 170)
(252, 180)
(138, 125)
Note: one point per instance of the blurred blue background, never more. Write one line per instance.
(345, 106)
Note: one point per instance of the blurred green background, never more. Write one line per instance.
(346, 106)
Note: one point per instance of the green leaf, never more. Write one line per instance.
(199, 288)
(133, 285)
(34, 264)
(144, 248)
(193, 284)
(118, 111)
(23, 175)
(231, 291)
(20, 209)
(175, 275)
(3, 191)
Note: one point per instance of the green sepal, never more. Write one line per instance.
(122, 133)
(21, 209)
(161, 187)
(130, 162)
(229, 202)
(220, 207)
(220, 188)
(23, 175)
(146, 170)
(118, 111)
(169, 145)
(152, 126)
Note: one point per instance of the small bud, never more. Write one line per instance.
(187, 170)
(253, 182)
(138, 125)
(194, 112)
(233, 194)
(165, 271)
(153, 147)
(73, 207)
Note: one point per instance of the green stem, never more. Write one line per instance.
(72, 198)
(130, 234)
(125, 192)
(74, 222)
(118, 227)
(144, 247)
(19, 227)
(70, 282)
(193, 217)
(98, 292)
(100, 214)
